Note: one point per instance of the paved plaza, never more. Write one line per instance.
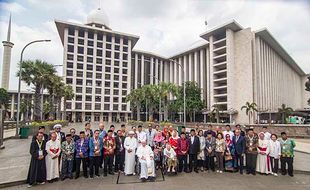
(185, 181)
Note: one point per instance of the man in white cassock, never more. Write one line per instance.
(130, 145)
(53, 149)
(146, 160)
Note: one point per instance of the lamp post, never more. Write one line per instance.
(184, 95)
(19, 80)
(159, 109)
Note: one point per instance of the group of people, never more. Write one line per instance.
(59, 155)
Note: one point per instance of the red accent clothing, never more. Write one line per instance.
(183, 145)
(174, 143)
(108, 141)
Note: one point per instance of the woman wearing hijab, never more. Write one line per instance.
(159, 143)
(229, 153)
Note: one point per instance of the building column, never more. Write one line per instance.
(73, 116)
(156, 71)
(83, 116)
(152, 71)
(142, 70)
(12, 106)
(110, 117)
(201, 70)
(185, 68)
(190, 67)
(161, 78)
(196, 67)
(136, 71)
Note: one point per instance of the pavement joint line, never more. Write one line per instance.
(22, 182)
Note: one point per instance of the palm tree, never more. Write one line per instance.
(216, 111)
(285, 112)
(135, 99)
(36, 73)
(249, 109)
(164, 91)
(59, 92)
(4, 98)
(150, 96)
(25, 104)
(68, 95)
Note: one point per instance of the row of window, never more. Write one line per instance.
(88, 106)
(80, 66)
(90, 43)
(98, 83)
(78, 97)
(98, 61)
(89, 90)
(90, 51)
(90, 35)
(98, 75)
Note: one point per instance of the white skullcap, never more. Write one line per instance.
(57, 126)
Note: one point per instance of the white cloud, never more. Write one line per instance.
(12, 7)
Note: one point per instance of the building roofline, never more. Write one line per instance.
(189, 50)
(60, 27)
(149, 53)
(269, 39)
(233, 25)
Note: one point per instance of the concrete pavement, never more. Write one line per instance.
(214, 181)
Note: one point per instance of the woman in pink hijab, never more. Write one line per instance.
(159, 143)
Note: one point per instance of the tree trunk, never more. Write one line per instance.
(37, 103)
(165, 111)
(58, 114)
(64, 114)
(51, 113)
(138, 112)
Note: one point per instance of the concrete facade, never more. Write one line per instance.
(234, 66)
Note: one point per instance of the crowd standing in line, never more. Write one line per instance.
(58, 155)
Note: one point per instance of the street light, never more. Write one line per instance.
(159, 110)
(184, 95)
(19, 80)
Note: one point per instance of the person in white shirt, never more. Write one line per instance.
(266, 133)
(228, 131)
(141, 135)
(150, 134)
(171, 157)
(130, 145)
(275, 153)
(146, 160)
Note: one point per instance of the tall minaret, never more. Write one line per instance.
(7, 45)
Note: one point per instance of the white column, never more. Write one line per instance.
(161, 78)
(185, 68)
(170, 71)
(196, 67)
(152, 71)
(190, 67)
(156, 71)
(201, 70)
(12, 106)
(175, 72)
(180, 80)
(142, 70)
(136, 71)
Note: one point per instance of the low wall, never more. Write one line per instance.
(292, 130)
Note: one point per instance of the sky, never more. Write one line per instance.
(165, 27)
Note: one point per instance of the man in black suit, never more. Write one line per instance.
(119, 151)
(239, 143)
(41, 130)
(194, 147)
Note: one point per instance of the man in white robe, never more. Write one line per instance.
(53, 149)
(263, 165)
(146, 160)
(130, 145)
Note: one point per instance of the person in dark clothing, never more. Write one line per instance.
(242, 133)
(194, 147)
(205, 134)
(41, 130)
(183, 130)
(182, 152)
(119, 151)
(240, 147)
(74, 139)
(210, 152)
(37, 169)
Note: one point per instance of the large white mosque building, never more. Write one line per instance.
(235, 65)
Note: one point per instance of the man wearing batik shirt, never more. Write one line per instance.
(183, 147)
(109, 147)
(81, 148)
(251, 141)
(95, 151)
(67, 149)
(287, 154)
